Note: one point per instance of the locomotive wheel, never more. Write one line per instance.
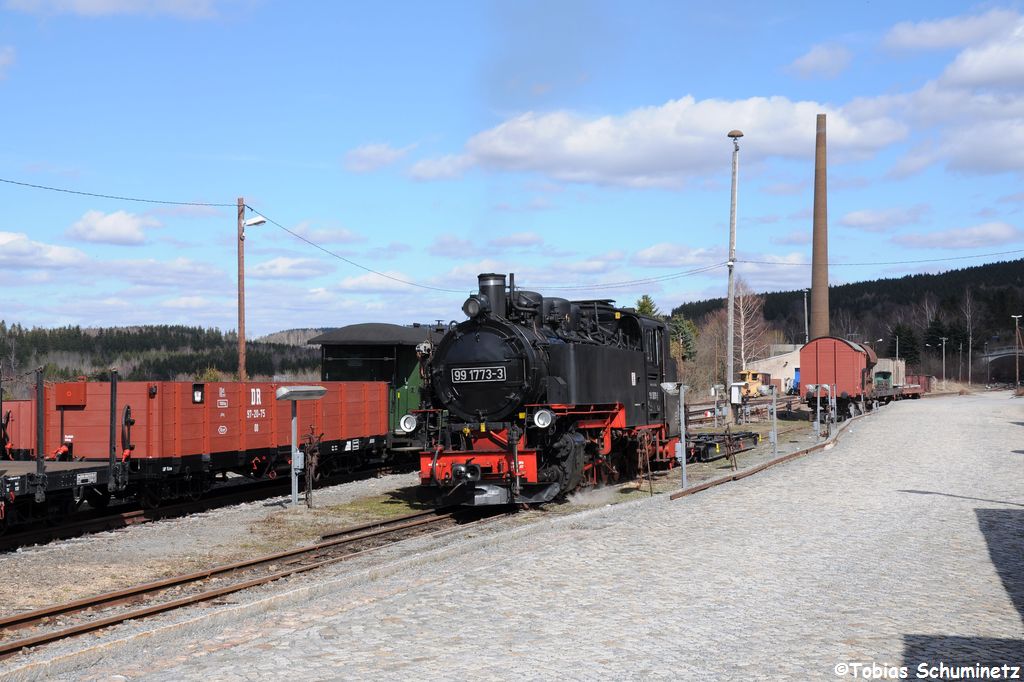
(97, 499)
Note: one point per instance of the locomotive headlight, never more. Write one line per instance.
(408, 423)
(475, 305)
(542, 419)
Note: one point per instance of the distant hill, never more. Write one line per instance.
(292, 337)
(156, 352)
(871, 309)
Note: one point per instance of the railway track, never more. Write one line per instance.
(62, 621)
(129, 514)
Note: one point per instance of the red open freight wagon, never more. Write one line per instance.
(173, 436)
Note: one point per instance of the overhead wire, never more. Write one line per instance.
(350, 261)
(891, 262)
(113, 196)
(573, 287)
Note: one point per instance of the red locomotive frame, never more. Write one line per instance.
(502, 463)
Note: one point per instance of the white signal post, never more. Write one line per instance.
(678, 388)
(294, 394)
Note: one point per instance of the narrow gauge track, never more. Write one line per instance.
(200, 586)
(128, 514)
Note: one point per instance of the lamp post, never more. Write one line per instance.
(807, 336)
(293, 394)
(242, 224)
(679, 388)
(734, 135)
(960, 363)
(1016, 346)
(944, 339)
(988, 365)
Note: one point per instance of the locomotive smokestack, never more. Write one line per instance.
(492, 285)
(819, 256)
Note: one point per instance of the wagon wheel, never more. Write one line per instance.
(150, 497)
(97, 499)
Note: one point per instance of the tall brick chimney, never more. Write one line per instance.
(819, 257)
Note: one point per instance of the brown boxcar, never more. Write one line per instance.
(173, 437)
(840, 363)
(922, 380)
(19, 433)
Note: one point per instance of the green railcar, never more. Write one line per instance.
(380, 352)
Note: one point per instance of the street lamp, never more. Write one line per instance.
(734, 135)
(943, 338)
(293, 394)
(242, 224)
(988, 364)
(679, 388)
(1016, 346)
(807, 336)
(960, 363)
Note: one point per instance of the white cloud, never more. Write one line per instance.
(371, 157)
(451, 246)
(786, 188)
(373, 283)
(18, 252)
(663, 146)
(985, 148)
(667, 255)
(177, 273)
(996, 63)
(391, 250)
(186, 303)
(793, 238)
(186, 9)
(882, 220)
(822, 61)
(328, 235)
(120, 227)
(603, 264)
(985, 235)
(517, 240)
(287, 268)
(443, 168)
(6, 60)
(778, 273)
(952, 32)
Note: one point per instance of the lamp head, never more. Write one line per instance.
(254, 221)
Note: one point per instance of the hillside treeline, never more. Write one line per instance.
(969, 307)
(153, 353)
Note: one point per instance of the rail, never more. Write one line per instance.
(298, 561)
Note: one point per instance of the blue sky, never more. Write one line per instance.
(577, 144)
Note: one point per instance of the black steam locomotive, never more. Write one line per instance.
(534, 396)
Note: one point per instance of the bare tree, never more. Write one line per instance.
(968, 309)
(708, 368)
(927, 311)
(751, 328)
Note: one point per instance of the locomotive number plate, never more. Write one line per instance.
(466, 375)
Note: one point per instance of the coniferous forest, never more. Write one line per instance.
(153, 353)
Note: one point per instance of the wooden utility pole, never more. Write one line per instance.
(242, 376)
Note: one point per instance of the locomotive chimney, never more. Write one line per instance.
(819, 257)
(492, 285)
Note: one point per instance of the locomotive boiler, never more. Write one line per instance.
(532, 397)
